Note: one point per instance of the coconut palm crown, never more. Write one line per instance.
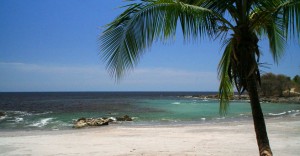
(239, 24)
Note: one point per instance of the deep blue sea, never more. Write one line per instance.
(58, 110)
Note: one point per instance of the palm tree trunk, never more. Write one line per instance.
(258, 118)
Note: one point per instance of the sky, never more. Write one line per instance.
(52, 45)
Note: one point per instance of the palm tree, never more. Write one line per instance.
(239, 24)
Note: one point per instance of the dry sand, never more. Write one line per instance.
(229, 139)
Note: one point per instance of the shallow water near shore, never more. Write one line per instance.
(58, 110)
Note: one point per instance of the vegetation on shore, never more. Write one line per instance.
(280, 85)
(274, 88)
(272, 99)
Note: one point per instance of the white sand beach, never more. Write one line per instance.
(219, 139)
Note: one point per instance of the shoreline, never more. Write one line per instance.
(264, 99)
(21, 132)
(139, 124)
(227, 138)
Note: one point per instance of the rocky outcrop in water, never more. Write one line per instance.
(85, 122)
(272, 99)
(124, 118)
(2, 114)
(295, 100)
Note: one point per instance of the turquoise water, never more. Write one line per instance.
(58, 111)
(200, 110)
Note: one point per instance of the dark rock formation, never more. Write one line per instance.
(124, 118)
(272, 99)
(80, 124)
(2, 114)
(84, 122)
(295, 100)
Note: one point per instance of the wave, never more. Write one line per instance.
(19, 113)
(3, 117)
(294, 111)
(18, 119)
(25, 113)
(290, 112)
(295, 114)
(221, 118)
(43, 113)
(205, 99)
(58, 125)
(277, 114)
(176, 103)
(42, 122)
(169, 120)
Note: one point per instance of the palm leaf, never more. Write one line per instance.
(224, 70)
(276, 19)
(134, 31)
(290, 12)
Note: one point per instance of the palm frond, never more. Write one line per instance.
(290, 14)
(277, 19)
(130, 34)
(224, 71)
(274, 30)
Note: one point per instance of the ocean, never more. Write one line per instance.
(58, 110)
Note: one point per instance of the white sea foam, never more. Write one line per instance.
(57, 125)
(42, 122)
(43, 113)
(21, 113)
(205, 99)
(176, 103)
(295, 114)
(113, 119)
(277, 114)
(166, 119)
(3, 117)
(203, 119)
(221, 118)
(133, 118)
(63, 124)
(17, 119)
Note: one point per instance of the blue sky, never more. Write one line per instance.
(52, 45)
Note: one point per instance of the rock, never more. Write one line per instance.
(110, 119)
(83, 122)
(80, 124)
(295, 100)
(97, 122)
(124, 118)
(2, 114)
(84, 119)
